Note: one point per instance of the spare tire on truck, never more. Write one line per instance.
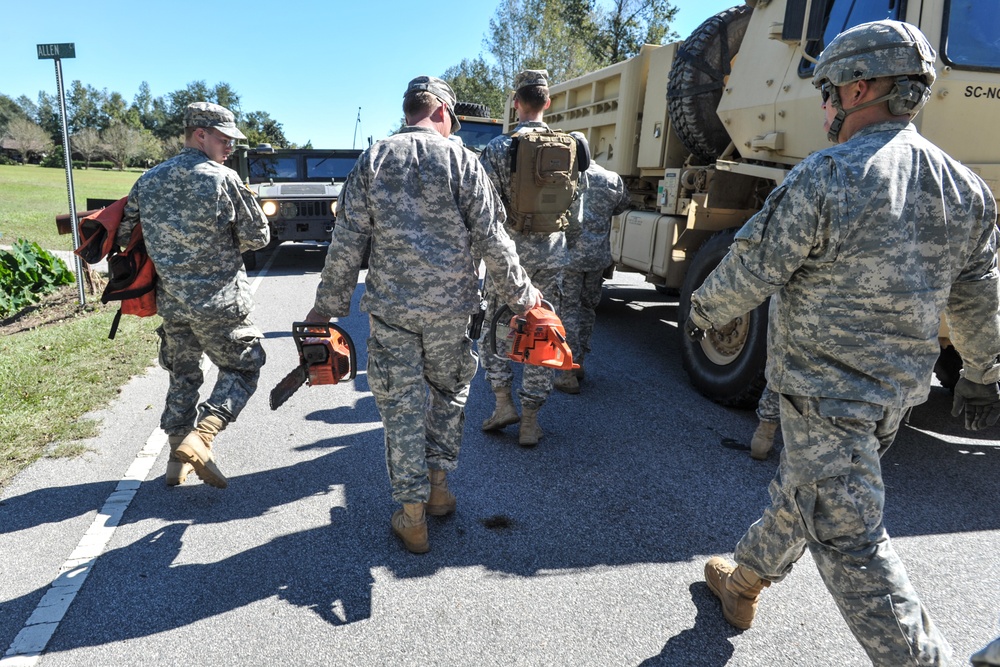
(697, 78)
(472, 110)
(728, 365)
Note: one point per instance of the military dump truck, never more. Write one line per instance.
(297, 188)
(703, 130)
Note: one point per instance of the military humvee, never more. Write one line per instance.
(297, 188)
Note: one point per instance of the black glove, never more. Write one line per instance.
(693, 331)
(981, 403)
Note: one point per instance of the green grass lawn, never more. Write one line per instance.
(31, 197)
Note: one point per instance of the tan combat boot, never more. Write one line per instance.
(196, 449)
(530, 432)
(441, 501)
(567, 382)
(177, 470)
(763, 440)
(505, 413)
(410, 525)
(737, 588)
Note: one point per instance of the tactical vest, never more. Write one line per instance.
(544, 174)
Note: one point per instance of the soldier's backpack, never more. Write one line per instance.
(544, 174)
(131, 274)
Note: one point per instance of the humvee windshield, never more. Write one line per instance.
(268, 166)
(301, 168)
(327, 168)
(477, 135)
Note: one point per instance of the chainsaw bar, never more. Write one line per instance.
(288, 386)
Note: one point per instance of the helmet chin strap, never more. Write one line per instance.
(838, 121)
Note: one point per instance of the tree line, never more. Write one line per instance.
(566, 37)
(103, 125)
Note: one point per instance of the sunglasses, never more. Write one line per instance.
(825, 91)
(221, 138)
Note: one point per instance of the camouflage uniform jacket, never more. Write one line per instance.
(197, 218)
(864, 245)
(537, 251)
(427, 207)
(604, 195)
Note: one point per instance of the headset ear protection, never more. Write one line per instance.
(907, 95)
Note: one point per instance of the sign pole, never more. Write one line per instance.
(57, 52)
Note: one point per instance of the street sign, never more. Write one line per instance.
(55, 51)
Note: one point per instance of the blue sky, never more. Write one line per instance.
(309, 64)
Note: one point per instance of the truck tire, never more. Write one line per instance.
(472, 110)
(947, 367)
(728, 365)
(697, 78)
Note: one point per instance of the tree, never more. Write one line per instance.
(27, 138)
(475, 81)
(9, 109)
(555, 35)
(260, 128)
(196, 91)
(572, 37)
(171, 146)
(629, 24)
(83, 108)
(149, 149)
(28, 108)
(48, 116)
(87, 142)
(122, 143)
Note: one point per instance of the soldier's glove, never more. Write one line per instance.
(981, 403)
(696, 326)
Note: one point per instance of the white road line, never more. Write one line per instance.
(27, 647)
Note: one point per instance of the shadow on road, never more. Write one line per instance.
(644, 483)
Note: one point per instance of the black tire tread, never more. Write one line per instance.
(740, 392)
(693, 116)
(472, 110)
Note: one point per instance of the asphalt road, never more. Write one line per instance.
(587, 550)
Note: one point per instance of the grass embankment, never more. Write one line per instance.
(53, 374)
(31, 197)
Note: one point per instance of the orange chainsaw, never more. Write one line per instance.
(537, 337)
(326, 356)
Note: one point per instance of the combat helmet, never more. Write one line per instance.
(878, 49)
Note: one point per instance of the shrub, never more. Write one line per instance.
(27, 272)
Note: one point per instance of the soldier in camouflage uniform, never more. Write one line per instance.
(604, 195)
(861, 249)
(197, 219)
(428, 208)
(543, 255)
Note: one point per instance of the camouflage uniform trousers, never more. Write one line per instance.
(828, 496)
(235, 350)
(420, 376)
(581, 296)
(536, 384)
(768, 407)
